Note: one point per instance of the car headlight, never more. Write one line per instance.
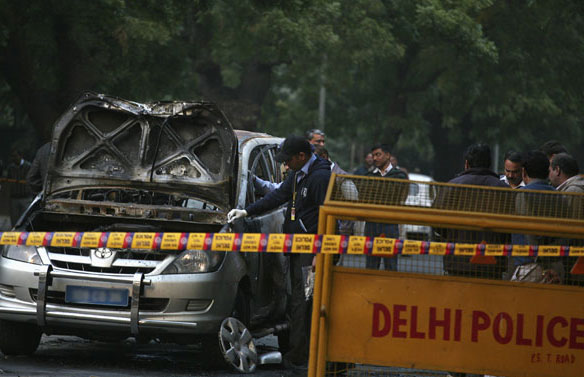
(196, 261)
(26, 254)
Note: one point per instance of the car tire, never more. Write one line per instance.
(238, 346)
(212, 344)
(18, 338)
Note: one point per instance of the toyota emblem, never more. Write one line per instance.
(102, 253)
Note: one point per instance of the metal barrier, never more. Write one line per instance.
(473, 310)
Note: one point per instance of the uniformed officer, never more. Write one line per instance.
(304, 190)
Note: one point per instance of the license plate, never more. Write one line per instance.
(96, 296)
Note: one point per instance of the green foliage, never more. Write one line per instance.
(427, 76)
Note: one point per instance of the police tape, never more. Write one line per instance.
(276, 243)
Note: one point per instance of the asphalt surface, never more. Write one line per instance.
(75, 357)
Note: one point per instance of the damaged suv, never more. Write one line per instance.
(121, 166)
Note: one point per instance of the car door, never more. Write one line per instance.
(269, 270)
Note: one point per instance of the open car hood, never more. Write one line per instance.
(188, 148)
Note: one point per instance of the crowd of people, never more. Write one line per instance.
(548, 168)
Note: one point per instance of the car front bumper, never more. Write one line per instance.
(193, 303)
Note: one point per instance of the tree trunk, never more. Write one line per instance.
(448, 148)
(242, 105)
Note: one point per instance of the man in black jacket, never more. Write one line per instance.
(383, 168)
(477, 171)
(477, 168)
(304, 190)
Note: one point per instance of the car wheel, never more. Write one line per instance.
(231, 344)
(237, 345)
(18, 338)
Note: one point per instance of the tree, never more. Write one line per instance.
(428, 76)
(460, 72)
(51, 51)
(222, 51)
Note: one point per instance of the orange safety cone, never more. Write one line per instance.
(483, 259)
(578, 267)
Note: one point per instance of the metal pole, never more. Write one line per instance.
(316, 300)
(331, 223)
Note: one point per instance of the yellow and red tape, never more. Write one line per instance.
(276, 243)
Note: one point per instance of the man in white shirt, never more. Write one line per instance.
(383, 168)
(513, 164)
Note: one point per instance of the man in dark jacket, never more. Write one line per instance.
(367, 167)
(477, 168)
(535, 173)
(383, 168)
(304, 191)
(477, 171)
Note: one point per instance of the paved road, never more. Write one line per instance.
(74, 357)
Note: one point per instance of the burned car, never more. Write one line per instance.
(120, 166)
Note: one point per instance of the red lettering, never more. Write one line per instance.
(550, 331)
(521, 341)
(414, 333)
(575, 333)
(398, 321)
(480, 321)
(539, 331)
(433, 323)
(506, 338)
(380, 310)
(457, 324)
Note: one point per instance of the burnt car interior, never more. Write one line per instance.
(105, 141)
(134, 163)
(189, 147)
(136, 196)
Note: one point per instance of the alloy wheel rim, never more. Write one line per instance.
(237, 345)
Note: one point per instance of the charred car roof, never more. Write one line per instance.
(188, 148)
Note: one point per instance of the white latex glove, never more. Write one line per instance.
(236, 214)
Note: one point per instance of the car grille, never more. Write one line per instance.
(125, 262)
(146, 304)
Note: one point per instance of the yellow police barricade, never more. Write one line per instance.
(477, 312)
(438, 319)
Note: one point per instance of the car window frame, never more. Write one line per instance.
(261, 156)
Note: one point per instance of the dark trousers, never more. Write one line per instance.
(373, 263)
(299, 319)
(381, 230)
